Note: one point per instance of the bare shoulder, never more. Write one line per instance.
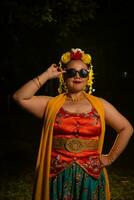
(106, 103)
(114, 117)
(108, 106)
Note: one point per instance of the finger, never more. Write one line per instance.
(58, 69)
(54, 66)
(63, 71)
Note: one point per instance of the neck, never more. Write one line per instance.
(76, 96)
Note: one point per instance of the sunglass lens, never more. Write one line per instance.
(83, 73)
(71, 73)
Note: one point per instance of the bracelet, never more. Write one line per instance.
(37, 82)
(110, 159)
(34, 80)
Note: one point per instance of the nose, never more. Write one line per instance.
(77, 74)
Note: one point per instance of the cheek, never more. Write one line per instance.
(68, 81)
(85, 81)
(70, 84)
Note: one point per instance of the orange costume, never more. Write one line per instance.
(82, 144)
(75, 139)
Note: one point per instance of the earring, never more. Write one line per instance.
(61, 80)
(61, 83)
(65, 88)
(90, 79)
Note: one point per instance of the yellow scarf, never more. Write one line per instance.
(41, 188)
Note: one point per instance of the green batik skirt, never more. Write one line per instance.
(75, 184)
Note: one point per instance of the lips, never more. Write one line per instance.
(77, 81)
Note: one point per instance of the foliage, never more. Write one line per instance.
(65, 15)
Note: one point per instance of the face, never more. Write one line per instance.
(76, 83)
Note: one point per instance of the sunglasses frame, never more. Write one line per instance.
(74, 73)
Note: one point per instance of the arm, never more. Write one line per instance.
(25, 96)
(124, 132)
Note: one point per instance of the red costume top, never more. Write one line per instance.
(79, 129)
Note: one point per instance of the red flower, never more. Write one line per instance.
(75, 55)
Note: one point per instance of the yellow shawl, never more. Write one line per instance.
(41, 187)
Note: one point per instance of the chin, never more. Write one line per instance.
(76, 90)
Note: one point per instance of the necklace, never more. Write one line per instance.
(75, 98)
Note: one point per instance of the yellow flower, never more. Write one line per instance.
(65, 58)
(86, 58)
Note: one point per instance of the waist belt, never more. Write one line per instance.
(75, 145)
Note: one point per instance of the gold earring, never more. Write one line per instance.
(90, 79)
(61, 83)
(61, 80)
(65, 88)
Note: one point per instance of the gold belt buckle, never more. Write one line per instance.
(74, 145)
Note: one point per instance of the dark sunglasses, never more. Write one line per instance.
(83, 73)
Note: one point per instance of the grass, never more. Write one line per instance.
(16, 184)
(122, 184)
(17, 180)
(16, 188)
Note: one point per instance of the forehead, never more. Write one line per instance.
(76, 64)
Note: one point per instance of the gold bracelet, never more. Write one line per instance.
(38, 81)
(34, 80)
(110, 158)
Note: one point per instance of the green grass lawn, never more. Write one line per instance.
(16, 182)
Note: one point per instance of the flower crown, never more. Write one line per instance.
(75, 54)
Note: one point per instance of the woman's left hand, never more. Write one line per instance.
(105, 160)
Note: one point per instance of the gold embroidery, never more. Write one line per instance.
(74, 144)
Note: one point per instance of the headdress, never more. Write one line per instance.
(76, 54)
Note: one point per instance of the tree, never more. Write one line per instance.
(64, 15)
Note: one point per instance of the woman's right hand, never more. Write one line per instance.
(53, 71)
(26, 98)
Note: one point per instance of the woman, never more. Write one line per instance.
(70, 164)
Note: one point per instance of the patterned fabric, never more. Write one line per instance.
(85, 126)
(41, 190)
(77, 124)
(75, 184)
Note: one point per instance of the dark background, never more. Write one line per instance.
(34, 34)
